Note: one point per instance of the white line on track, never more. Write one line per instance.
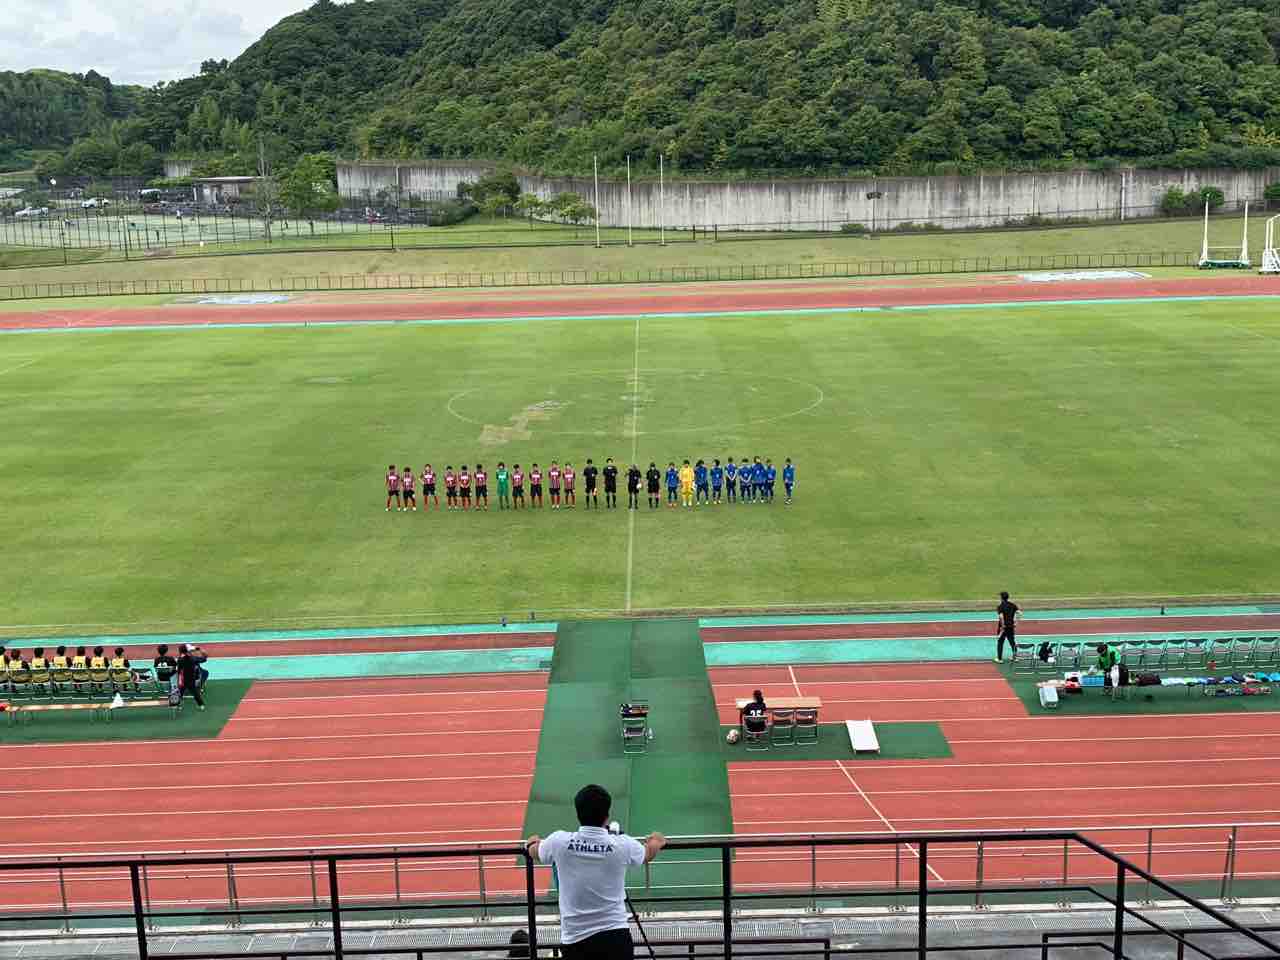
(635, 441)
(715, 684)
(794, 682)
(913, 765)
(1053, 788)
(341, 808)
(828, 702)
(372, 716)
(1110, 739)
(883, 819)
(1147, 819)
(388, 696)
(356, 760)
(204, 744)
(255, 786)
(221, 842)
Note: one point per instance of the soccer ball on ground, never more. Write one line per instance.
(732, 736)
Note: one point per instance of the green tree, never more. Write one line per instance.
(309, 187)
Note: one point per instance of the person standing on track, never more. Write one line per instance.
(190, 674)
(591, 870)
(1007, 615)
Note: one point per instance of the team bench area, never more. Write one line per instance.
(27, 693)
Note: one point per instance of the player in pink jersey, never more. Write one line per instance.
(464, 488)
(429, 487)
(570, 475)
(406, 485)
(450, 488)
(482, 486)
(535, 486)
(553, 484)
(517, 487)
(393, 487)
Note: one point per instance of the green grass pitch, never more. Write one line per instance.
(204, 478)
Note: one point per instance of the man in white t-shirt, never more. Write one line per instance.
(591, 870)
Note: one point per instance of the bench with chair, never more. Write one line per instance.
(29, 692)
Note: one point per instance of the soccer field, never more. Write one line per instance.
(219, 477)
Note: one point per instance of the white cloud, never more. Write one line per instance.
(133, 41)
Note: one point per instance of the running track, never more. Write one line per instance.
(1009, 770)
(610, 301)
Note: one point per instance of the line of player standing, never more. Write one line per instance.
(688, 485)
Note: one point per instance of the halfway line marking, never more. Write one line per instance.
(635, 440)
(883, 819)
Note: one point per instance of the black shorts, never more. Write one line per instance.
(591, 488)
(393, 493)
(535, 489)
(465, 493)
(569, 490)
(410, 493)
(653, 489)
(450, 491)
(610, 488)
(606, 945)
(518, 490)
(555, 491)
(429, 490)
(483, 490)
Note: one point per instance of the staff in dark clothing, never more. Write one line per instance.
(1006, 623)
(190, 674)
(633, 488)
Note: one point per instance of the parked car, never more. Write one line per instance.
(93, 202)
(32, 212)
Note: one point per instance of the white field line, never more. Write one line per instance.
(635, 442)
(794, 682)
(240, 811)
(883, 819)
(375, 716)
(204, 744)
(1054, 788)
(220, 842)
(347, 697)
(1072, 818)
(742, 769)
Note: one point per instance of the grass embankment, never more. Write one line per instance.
(196, 478)
(1172, 236)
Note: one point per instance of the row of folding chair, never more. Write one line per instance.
(54, 685)
(790, 727)
(1224, 653)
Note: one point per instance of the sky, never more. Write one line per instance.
(132, 41)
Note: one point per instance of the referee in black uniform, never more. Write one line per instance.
(610, 484)
(1006, 623)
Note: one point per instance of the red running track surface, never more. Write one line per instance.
(718, 298)
(300, 765)
(1010, 770)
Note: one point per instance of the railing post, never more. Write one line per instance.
(977, 896)
(484, 901)
(335, 909)
(1065, 903)
(233, 898)
(726, 901)
(139, 918)
(146, 893)
(395, 866)
(62, 892)
(1117, 947)
(1146, 900)
(315, 892)
(1229, 869)
(897, 878)
(922, 902)
(531, 893)
(813, 877)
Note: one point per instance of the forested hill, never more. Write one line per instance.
(47, 108)
(748, 85)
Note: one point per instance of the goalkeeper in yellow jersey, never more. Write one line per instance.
(686, 484)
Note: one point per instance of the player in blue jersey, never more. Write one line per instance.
(717, 481)
(703, 488)
(745, 488)
(789, 477)
(673, 481)
(770, 478)
(731, 480)
(758, 477)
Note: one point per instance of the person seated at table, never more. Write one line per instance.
(166, 667)
(60, 659)
(755, 715)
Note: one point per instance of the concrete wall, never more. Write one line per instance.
(954, 201)
(174, 167)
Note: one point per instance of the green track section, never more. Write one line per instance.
(680, 786)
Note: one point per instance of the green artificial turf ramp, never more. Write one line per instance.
(151, 723)
(915, 740)
(680, 785)
(1142, 700)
